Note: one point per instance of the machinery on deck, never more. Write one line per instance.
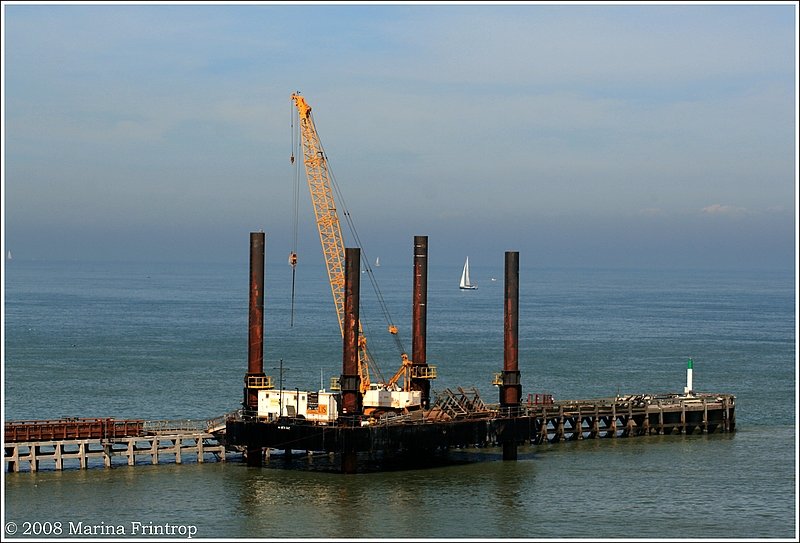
(376, 396)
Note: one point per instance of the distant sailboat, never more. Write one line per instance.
(465, 284)
(9, 255)
(378, 262)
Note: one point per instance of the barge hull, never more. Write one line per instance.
(417, 436)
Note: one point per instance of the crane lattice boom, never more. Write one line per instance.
(330, 231)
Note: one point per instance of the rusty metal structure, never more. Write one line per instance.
(71, 428)
(350, 379)
(255, 379)
(511, 388)
(460, 418)
(421, 373)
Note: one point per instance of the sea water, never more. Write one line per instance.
(169, 341)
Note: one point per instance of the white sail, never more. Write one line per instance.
(378, 262)
(465, 282)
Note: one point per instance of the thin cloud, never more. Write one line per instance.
(724, 210)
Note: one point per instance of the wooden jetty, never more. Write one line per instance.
(65, 443)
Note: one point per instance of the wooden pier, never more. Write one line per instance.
(633, 415)
(83, 443)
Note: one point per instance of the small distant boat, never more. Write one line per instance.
(378, 262)
(9, 256)
(465, 283)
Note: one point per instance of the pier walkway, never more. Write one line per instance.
(74, 442)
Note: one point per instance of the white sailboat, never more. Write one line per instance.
(465, 284)
(378, 262)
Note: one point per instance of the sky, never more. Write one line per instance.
(592, 135)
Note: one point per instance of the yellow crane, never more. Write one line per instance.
(330, 231)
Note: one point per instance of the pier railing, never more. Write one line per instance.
(19, 431)
(173, 426)
(70, 428)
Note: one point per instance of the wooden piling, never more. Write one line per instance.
(34, 455)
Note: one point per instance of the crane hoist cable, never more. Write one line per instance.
(295, 213)
(364, 257)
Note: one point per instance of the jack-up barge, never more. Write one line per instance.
(410, 425)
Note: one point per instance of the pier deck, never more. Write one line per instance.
(64, 443)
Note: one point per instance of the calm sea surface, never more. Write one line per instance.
(169, 341)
